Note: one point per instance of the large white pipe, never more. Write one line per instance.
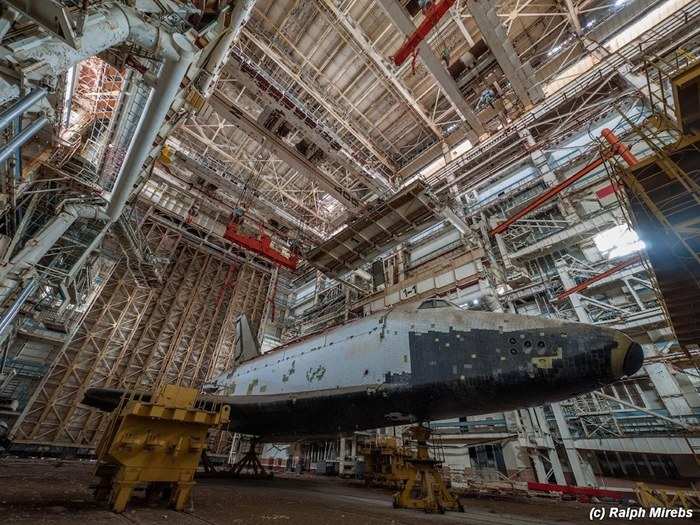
(104, 28)
(37, 247)
(229, 35)
(161, 98)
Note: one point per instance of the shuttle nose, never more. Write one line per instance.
(634, 357)
(627, 356)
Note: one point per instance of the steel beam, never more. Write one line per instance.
(226, 109)
(162, 97)
(433, 13)
(207, 141)
(378, 60)
(318, 97)
(454, 13)
(550, 194)
(259, 83)
(401, 19)
(598, 277)
(19, 107)
(573, 15)
(521, 76)
(22, 138)
(55, 18)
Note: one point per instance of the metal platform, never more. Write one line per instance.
(686, 96)
(665, 204)
(387, 224)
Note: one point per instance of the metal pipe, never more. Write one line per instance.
(619, 147)
(23, 137)
(37, 247)
(104, 28)
(229, 34)
(19, 107)
(159, 103)
(550, 193)
(433, 15)
(11, 312)
(599, 277)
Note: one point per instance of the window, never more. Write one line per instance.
(434, 303)
(618, 241)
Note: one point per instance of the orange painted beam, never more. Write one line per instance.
(599, 277)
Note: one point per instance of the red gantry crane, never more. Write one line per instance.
(433, 13)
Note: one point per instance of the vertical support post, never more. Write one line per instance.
(582, 471)
(162, 97)
(341, 457)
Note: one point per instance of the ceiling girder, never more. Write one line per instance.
(226, 109)
(380, 63)
(319, 98)
(299, 118)
(401, 19)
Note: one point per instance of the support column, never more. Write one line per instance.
(401, 19)
(521, 76)
(162, 97)
(582, 471)
(569, 283)
(341, 457)
(551, 450)
(541, 163)
(668, 389)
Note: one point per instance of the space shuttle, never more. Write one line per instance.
(415, 362)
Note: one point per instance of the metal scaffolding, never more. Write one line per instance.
(136, 336)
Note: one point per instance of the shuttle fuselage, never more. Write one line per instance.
(416, 363)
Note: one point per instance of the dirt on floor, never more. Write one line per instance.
(37, 491)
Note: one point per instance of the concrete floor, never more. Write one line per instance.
(57, 492)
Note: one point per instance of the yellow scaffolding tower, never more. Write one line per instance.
(156, 444)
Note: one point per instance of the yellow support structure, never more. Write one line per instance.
(649, 497)
(425, 489)
(156, 444)
(385, 462)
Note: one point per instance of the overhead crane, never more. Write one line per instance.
(433, 14)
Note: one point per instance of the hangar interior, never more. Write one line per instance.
(169, 165)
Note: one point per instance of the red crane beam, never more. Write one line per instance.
(582, 493)
(599, 277)
(261, 246)
(617, 147)
(432, 16)
(549, 194)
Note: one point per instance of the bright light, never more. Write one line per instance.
(461, 148)
(554, 50)
(475, 302)
(439, 163)
(618, 241)
(616, 42)
(620, 2)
